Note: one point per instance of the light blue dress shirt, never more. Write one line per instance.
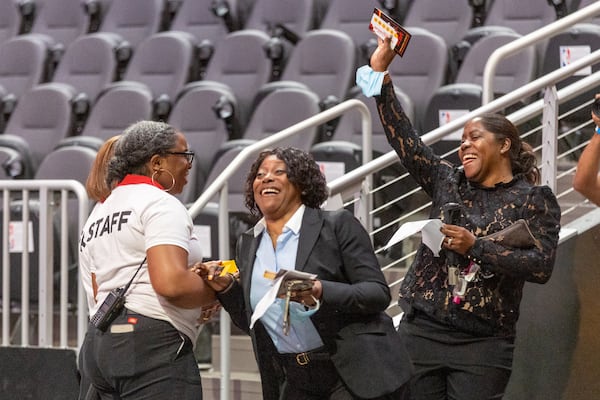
(302, 335)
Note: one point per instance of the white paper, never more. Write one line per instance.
(269, 298)
(430, 234)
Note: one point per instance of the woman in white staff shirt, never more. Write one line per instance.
(147, 351)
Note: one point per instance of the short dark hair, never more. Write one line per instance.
(138, 143)
(302, 171)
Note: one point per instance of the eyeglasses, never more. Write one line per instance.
(189, 155)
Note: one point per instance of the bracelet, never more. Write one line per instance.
(598, 130)
(228, 288)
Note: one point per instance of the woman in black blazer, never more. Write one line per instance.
(341, 344)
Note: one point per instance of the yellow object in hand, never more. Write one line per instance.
(229, 267)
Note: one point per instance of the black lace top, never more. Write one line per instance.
(490, 306)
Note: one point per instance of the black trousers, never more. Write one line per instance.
(313, 376)
(451, 365)
(139, 357)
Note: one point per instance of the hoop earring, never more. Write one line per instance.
(172, 179)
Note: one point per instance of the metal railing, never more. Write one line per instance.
(45, 203)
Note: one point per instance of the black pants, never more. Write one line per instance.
(139, 357)
(451, 365)
(315, 378)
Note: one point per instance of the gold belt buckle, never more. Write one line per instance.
(302, 358)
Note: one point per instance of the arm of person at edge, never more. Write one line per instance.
(587, 179)
(172, 279)
(531, 264)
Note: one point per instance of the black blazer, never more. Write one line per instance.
(364, 346)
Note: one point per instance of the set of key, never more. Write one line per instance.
(292, 288)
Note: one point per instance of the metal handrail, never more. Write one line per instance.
(528, 40)
(44, 187)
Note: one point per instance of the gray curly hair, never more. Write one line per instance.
(138, 143)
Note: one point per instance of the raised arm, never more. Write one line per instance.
(587, 179)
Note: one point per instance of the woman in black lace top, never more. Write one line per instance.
(460, 327)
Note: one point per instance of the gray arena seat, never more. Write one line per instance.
(450, 19)
(118, 106)
(43, 116)
(241, 63)
(164, 62)
(194, 114)
(422, 70)
(453, 100)
(324, 62)
(10, 20)
(24, 63)
(296, 15)
(133, 20)
(352, 17)
(62, 20)
(90, 63)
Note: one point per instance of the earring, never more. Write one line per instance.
(158, 172)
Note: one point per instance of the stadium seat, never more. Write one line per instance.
(241, 63)
(10, 20)
(43, 116)
(24, 63)
(281, 109)
(324, 62)
(522, 16)
(70, 161)
(353, 17)
(133, 20)
(118, 106)
(422, 69)
(564, 48)
(90, 63)
(450, 19)
(62, 20)
(453, 100)
(298, 16)
(207, 20)
(336, 157)
(194, 114)
(164, 62)
(585, 3)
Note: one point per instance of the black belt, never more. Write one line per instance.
(306, 357)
